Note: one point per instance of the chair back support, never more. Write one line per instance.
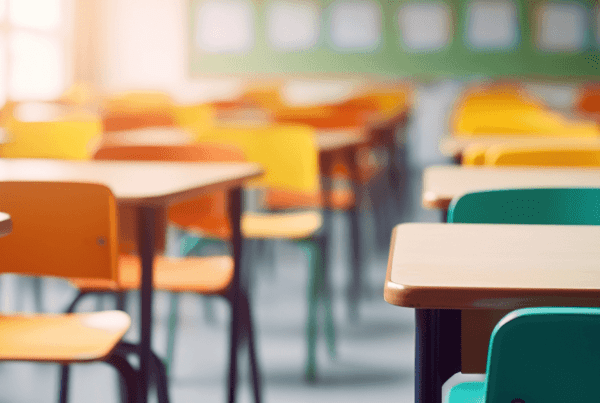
(545, 355)
(543, 157)
(138, 109)
(287, 153)
(72, 137)
(59, 229)
(207, 213)
(506, 109)
(528, 206)
(514, 206)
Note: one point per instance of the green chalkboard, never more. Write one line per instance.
(390, 56)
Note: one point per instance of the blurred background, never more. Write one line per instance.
(61, 56)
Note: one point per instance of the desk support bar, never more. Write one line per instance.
(146, 235)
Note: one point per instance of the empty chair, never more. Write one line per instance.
(579, 206)
(539, 355)
(558, 156)
(43, 130)
(216, 275)
(74, 229)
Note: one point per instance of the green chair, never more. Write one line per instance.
(539, 355)
(576, 206)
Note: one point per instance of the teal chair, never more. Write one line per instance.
(539, 355)
(577, 206)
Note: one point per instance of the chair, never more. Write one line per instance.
(516, 206)
(289, 158)
(74, 228)
(539, 355)
(137, 109)
(50, 131)
(202, 275)
(506, 109)
(44, 130)
(506, 155)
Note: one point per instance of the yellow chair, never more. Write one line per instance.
(506, 109)
(49, 131)
(474, 155)
(289, 157)
(74, 229)
(543, 157)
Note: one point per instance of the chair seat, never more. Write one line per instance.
(298, 225)
(65, 338)
(204, 275)
(466, 392)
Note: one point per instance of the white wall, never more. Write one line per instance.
(145, 48)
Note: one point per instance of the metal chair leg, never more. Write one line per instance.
(64, 370)
(254, 367)
(234, 346)
(128, 375)
(310, 371)
(174, 303)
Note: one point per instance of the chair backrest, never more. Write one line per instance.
(589, 100)
(501, 155)
(59, 229)
(138, 109)
(56, 133)
(207, 213)
(287, 153)
(545, 355)
(507, 110)
(528, 206)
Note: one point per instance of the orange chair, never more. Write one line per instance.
(74, 229)
(201, 275)
(138, 109)
(208, 216)
(589, 101)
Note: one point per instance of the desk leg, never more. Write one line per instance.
(437, 352)
(146, 235)
(356, 284)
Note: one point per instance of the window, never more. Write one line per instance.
(355, 25)
(561, 27)
(424, 26)
(492, 25)
(33, 55)
(225, 26)
(293, 25)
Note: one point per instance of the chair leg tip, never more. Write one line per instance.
(310, 378)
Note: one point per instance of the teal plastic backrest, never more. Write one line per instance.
(578, 206)
(545, 355)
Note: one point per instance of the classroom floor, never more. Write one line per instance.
(374, 362)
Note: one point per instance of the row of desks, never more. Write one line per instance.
(149, 187)
(442, 269)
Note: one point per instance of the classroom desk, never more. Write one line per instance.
(149, 187)
(442, 183)
(328, 142)
(440, 268)
(454, 146)
(5, 224)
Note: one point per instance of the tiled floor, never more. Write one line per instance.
(374, 362)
